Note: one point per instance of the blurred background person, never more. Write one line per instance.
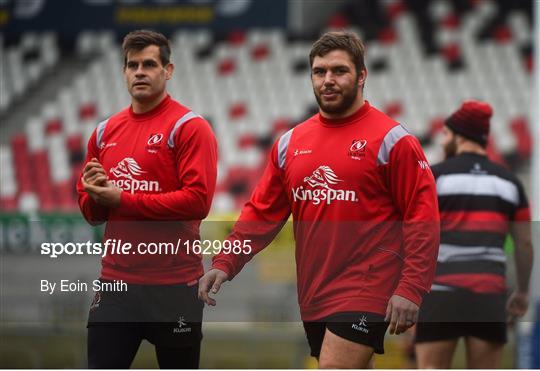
(480, 202)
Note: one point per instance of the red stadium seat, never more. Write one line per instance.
(237, 111)
(236, 38)
(8, 204)
(53, 126)
(523, 136)
(451, 52)
(494, 154)
(338, 21)
(529, 63)
(502, 34)
(74, 143)
(395, 9)
(66, 196)
(88, 111)
(247, 141)
(281, 125)
(393, 109)
(436, 126)
(226, 66)
(387, 36)
(22, 163)
(260, 52)
(451, 21)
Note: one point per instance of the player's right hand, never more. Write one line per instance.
(94, 174)
(212, 280)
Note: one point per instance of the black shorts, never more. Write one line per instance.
(359, 327)
(446, 315)
(168, 315)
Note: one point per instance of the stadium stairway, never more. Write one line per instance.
(62, 75)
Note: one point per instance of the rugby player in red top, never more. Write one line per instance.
(364, 207)
(150, 174)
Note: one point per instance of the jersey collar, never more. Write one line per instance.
(154, 111)
(361, 112)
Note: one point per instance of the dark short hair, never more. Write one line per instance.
(140, 39)
(339, 40)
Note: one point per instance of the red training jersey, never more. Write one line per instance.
(165, 161)
(364, 209)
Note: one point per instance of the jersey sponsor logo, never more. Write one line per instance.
(361, 325)
(299, 152)
(154, 143)
(322, 177)
(155, 139)
(477, 169)
(358, 145)
(423, 165)
(127, 169)
(357, 150)
(106, 145)
(320, 188)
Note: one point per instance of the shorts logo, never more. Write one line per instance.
(182, 326)
(361, 325)
(128, 169)
(357, 150)
(321, 183)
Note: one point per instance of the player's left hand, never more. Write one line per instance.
(106, 195)
(401, 313)
(517, 305)
(212, 280)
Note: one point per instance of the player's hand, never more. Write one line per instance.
(211, 281)
(401, 313)
(94, 173)
(105, 195)
(517, 305)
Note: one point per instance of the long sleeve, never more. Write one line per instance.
(414, 193)
(93, 213)
(261, 219)
(196, 158)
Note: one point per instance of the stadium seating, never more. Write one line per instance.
(423, 58)
(24, 64)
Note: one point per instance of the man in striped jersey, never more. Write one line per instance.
(480, 202)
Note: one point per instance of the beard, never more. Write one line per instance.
(336, 107)
(450, 148)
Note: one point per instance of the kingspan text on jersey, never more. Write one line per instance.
(325, 194)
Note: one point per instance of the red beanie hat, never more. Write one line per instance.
(471, 121)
